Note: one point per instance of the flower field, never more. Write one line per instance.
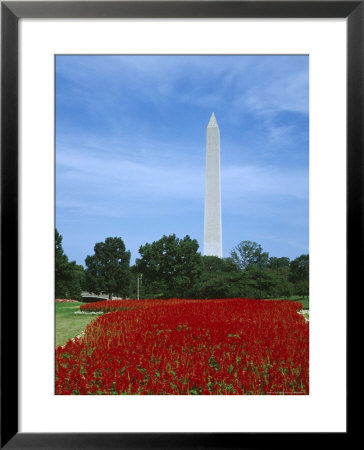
(226, 346)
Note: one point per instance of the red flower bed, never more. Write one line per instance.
(65, 300)
(115, 305)
(229, 346)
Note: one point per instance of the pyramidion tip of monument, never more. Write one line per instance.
(212, 122)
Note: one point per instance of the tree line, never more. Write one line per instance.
(173, 267)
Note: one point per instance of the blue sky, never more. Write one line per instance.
(130, 149)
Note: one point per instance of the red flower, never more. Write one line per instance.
(223, 346)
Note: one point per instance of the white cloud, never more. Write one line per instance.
(110, 175)
(264, 85)
(111, 185)
(287, 93)
(239, 181)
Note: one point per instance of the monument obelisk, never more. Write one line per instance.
(212, 225)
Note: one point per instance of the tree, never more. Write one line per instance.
(299, 275)
(220, 278)
(257, 282)
(302, 288)
(137, 284)
(249, 253)
(108, 269)
(69, 277)
(170, 266)
(256, 279)
(280, 271)
(282, 287)
(300, 268)
(278, 263)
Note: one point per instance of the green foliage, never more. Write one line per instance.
(108, 268)
(220, 278)
(256, 282)
(280, 272)
(143, 293)
(278, 263)
(263, 276)
(170, 266)
(173, 267)
(302, 288)
(249, 253)
(299, 269)
(299, 275)
(69, 277)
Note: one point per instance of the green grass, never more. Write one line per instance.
(69, 324)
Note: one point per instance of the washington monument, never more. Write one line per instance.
(212, 226)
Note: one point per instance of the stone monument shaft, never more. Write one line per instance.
(212, 224)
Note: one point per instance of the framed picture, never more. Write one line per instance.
(28, 123)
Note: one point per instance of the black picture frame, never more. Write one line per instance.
(11, 12)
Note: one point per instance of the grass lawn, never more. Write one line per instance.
(69, 324)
